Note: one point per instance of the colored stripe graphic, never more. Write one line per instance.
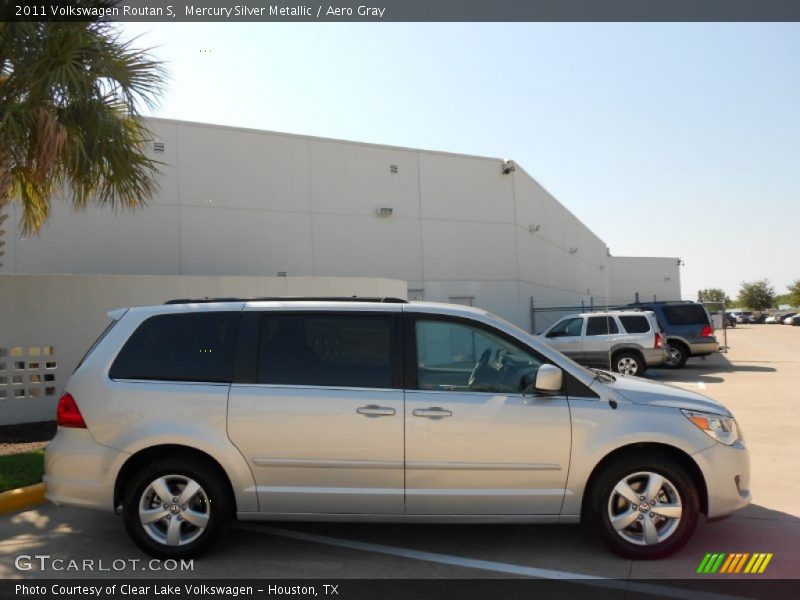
(749, 567)
(703, 563)
(717, 563)
(721, 562)
(765, 563)
(726, 566)
(741, 562)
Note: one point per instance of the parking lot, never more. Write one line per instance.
(758, 380)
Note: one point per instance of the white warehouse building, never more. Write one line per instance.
(243, 202)
(256, 213)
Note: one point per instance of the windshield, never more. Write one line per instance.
(532, 341)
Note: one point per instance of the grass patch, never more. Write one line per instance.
(18, 470)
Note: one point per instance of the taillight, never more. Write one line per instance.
(68, 414)
(707, 331)
(659, 342)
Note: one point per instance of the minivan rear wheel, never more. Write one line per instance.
(644, 506)
(176, 509)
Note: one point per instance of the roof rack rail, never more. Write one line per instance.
(207, 300)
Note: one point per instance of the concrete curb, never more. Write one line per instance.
(20, 498)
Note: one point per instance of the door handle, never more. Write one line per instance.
(373, 410)
(573, 341)
(434, 412)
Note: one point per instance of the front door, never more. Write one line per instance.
(475, 445)
(566, 337)
(322, 425)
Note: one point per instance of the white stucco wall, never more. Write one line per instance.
(255, 203)
(648, 276)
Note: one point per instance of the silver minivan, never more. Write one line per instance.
(185, 416)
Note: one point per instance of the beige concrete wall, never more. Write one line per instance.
(66, 313)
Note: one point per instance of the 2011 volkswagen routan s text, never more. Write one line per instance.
(184, 416)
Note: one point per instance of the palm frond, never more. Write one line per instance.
(70, 100)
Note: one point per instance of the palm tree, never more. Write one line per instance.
(69, 117)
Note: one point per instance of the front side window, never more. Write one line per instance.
(196, 347)
(601, 326)
(454, 356)
(567, 328)
(325, 350)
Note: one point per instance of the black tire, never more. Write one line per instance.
(677, 355)
(212, 501)
(622, 362)
(603, 498)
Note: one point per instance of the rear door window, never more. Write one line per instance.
(196, 347)
(326, 350)
(685, 314)
(635, 323)
(601, 326)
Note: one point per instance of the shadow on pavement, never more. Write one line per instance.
(75, 534)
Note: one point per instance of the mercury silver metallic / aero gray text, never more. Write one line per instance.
(185, 416)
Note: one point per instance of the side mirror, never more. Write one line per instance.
(549, 378)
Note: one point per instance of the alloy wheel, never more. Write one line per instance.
(174, 510)
(673, 356)
(645, 508)
(627, 366)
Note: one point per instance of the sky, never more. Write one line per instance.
(664, 139)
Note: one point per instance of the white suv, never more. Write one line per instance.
(628, 341)
(184, 416)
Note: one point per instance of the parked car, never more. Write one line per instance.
(796, 320)
(728, 320)
(626, 341)
(687, 327)
(773, 319)
(786, 318)
(185, 416)
(742, 316)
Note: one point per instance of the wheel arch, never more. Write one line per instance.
(137, 460)
(638, 448)
(631, 348)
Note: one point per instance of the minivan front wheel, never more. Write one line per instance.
(175, 509)
(645, 507)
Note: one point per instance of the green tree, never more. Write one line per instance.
(757, 295)
(70, 95)
(794, 293)
(716, 295)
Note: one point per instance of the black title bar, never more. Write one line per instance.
(395, 589)
(402, 10)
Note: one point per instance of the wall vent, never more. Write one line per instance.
(393, 169)
(158, 147)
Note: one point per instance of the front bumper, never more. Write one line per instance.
(78, 470)
(726, 470)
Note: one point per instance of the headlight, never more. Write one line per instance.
(722, 429)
